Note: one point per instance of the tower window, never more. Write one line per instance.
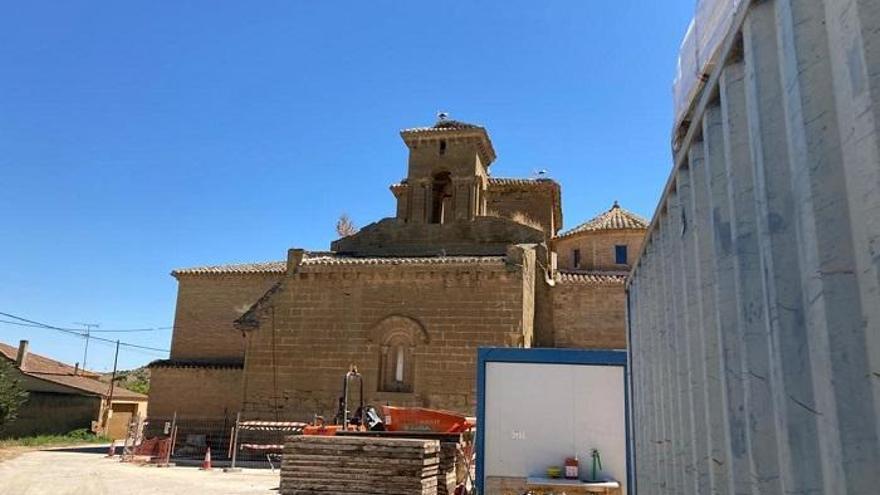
(442, 147)
(576, 258)
(620, 255)
(441, 200)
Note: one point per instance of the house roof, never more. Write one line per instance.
(323, 258)
(49, 370)
(616, 218)
(597, 278)
(40, 364)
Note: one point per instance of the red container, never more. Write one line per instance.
(571, 468)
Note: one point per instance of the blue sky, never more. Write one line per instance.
(136, 137)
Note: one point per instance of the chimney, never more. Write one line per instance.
(76, 368)
(21, 359)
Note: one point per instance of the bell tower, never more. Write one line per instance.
(448, 173)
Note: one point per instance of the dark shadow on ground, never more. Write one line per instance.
(183, 462)
(82, 449)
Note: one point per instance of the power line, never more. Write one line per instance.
(120, 330)
(131, 330)
(80, 334)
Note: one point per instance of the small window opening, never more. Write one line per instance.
(576, 258)
(396, 367)
(620, 255)
(442, 147)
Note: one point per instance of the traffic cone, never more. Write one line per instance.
(112, 450)
(206, 464)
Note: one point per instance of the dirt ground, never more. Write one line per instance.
(85, 471)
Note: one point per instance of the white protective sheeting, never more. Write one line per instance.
(699, 51)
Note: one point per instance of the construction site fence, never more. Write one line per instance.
(247, 440)
(754, 308)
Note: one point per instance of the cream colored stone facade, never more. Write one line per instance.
(468, 261)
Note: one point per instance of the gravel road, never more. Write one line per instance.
(85, 471)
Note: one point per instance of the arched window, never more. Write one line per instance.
(441, 198)
(396, 366)
(398, 337)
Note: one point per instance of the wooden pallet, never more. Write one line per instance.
(354, 465)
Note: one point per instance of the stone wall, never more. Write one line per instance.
(588, 315)
(327, 317)
(597, 249)
(482, 236)
(48, 413)
(207, 306)
(205, 392)
(525, 202)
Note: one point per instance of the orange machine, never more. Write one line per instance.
(420, 419)
(393, 419)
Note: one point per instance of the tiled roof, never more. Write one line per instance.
(591, 277)
(444, 125)
(40, 364)
(399, 260)
(517, 181)
(277, 267)
(615, 218)
(90, 385)
(217, 364)
(57, 372)
(327, 258)
(504, 181)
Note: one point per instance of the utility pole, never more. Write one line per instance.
(109, 410)
(88, 327)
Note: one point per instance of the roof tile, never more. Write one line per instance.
(53, 371)
(268, 267)
(615, 218)
(40, 364)
(591, 277)
(327, 258)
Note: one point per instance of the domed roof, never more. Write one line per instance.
(615, 218)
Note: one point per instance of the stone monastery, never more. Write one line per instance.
(469, 260)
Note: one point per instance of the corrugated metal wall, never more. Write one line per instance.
(755, 306)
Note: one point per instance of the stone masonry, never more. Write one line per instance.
(469, 260)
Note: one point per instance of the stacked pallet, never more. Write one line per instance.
(358, 466)
(447, 478)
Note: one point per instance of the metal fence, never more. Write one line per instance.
(240, 440)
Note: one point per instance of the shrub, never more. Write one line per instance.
(12, 396)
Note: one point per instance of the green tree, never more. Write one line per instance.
(12, 396)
